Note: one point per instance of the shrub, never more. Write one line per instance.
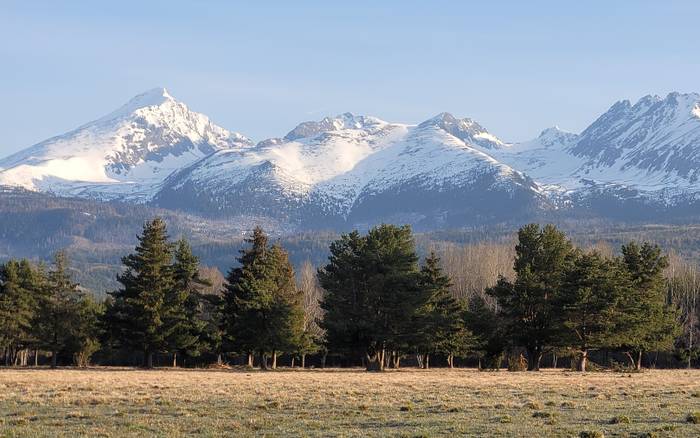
(620, 419)
(542, 414)
(406, 408)
(693, 417)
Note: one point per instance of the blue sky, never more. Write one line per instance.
(261, 67)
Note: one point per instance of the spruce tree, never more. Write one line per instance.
(651, 323)
(346, 300)
(441, 321)
(183, 321)
(262, 307)
(542, 256)
(58, 317)
(137, 315)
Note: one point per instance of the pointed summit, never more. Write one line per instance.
(126, 153)
(152, 97)
(465, 129)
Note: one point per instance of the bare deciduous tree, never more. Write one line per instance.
(684, 292)
(474, 268)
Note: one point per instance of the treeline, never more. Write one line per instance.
(374, 302)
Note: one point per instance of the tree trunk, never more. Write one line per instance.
(419, 360)
(631, 359)
(554, 360)
(450, 360)
(219, 360)
(303, 360)
(149, 359)
(274, 359)
(638, 365)
(375, 362)
(323, 359)
(292, 362)
(251, 360)
(426, 361)
(583, 360)
(534, 357)
(396, 360)
(54, 359)
(175, 359)
(263, 361)
(36, 358)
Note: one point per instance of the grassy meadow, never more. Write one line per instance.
(115, 402)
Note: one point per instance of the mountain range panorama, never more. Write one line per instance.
(634, 162)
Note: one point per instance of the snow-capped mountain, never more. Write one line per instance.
(358, 169)
(123, 155)
(649, 151)
(634, 161)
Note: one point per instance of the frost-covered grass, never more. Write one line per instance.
(125, 402)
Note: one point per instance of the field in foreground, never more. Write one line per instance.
(125, 402)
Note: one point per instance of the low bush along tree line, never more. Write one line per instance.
(373, 303)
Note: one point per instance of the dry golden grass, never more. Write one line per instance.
(126, 402)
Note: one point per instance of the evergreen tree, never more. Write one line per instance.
(589, 305)
(84, 342)
(262, 308)
(441, 321)
(651, 323)
(20, 285)
(183, 322)
(372, 295)
(542, 256)
(58, 317)
(490, 337)
(137, 315)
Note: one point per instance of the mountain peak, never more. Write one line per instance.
(328, 124)
(152, 97)
(556, 136)
(465, 129)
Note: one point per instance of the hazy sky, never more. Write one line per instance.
(261, 67)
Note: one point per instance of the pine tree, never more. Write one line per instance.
(490, 337)
(651, 323)
(372, 295)
(140, 307)
(542, 256)
(441, 321)
(20, 285)
(84, 342)
(59, 309)
(183, 321)
(589, 305)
